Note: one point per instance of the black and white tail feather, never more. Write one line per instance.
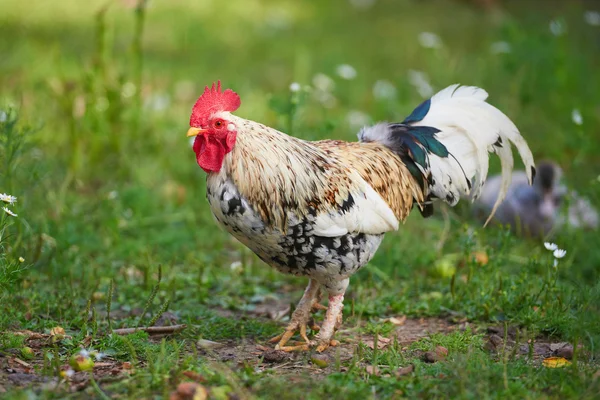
(445, 144)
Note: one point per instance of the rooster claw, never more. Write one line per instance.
(320, 346)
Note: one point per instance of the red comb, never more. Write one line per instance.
(212, 101)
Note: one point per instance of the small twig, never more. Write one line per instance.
(152, 330)
(23, 363)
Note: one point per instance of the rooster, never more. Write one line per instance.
(320, 209)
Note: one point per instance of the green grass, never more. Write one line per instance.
(95, 103)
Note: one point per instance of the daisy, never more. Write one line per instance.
(294, 87)
(7, 198)
(559, 253)
(550, 246)
(576, 117)
(346, 71)
(430, 40)
(9, 212)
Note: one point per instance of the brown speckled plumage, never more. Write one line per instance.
(382, 169)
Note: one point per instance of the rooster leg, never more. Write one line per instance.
(333, 320)
(300, 318)
(317, 303)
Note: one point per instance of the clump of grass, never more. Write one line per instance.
(11, 341)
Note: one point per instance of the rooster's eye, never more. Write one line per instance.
(218, 124)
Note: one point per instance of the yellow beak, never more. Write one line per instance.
(195, 131)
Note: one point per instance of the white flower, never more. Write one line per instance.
(9, 212)
(559, 253)
(84, 353)
(323, 82)
(383, 89)
(346, 71)
(294, 87)
(550, 246)
(357, 119)
(557, 28)
(69, 373)
(235, 266)
(555, 263)
(421, 82)
(21, 259)
(500, 47)
(7, 198)
(325, 98)
(98, 356)
(576, 117)
(430, 40)
(592, 18)
(157, 102)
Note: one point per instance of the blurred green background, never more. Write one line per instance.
(97, 95)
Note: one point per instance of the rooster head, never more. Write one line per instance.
(215, 134)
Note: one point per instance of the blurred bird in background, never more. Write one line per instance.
(540, 209)
(320, 209)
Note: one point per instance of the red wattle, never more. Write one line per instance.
(211, 150)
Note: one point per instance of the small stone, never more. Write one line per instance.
(430, 357)
(565, 352)
(493, 343)
(275, 356)
(320, 360)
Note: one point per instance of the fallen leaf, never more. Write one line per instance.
(381, 343)
(371, 370)
(556, 362)
(209, 344)
(404, 370)
(189, 391)
(57, 330)
(57, 333)
(193, 375)
(441, 351)
(31, 334)
(320, 360)
(398, 321)
(481, 257)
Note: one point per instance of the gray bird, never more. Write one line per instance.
(537, 210)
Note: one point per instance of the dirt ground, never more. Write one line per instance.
(16, 372)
